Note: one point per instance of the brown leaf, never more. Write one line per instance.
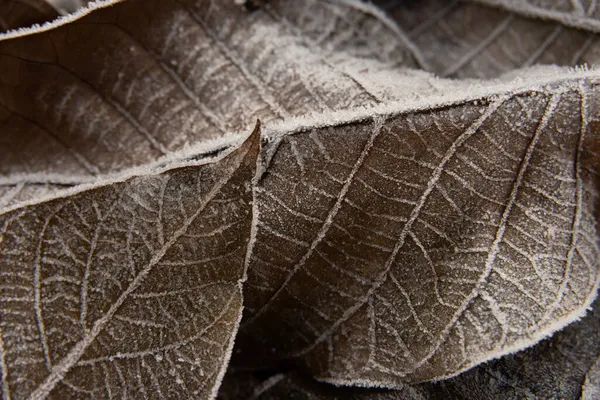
(140, 80)
(408, 227)
(68, 6)
(582, 14)
(556, 368)
(412, 245)
(128, 289)
(485, 42)
(455, 39)
(128, 84)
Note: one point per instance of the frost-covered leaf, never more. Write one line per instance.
(583, 14)
(591, 388)
(450, 38)
(248, 386)
(556, 368)
(464, 40)
(409, 227)
(143, 79)
(129, 289)
(413, 242)
(133, 82)
(562, 367)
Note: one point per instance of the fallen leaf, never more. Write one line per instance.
(412, 243)
(407, 227)
(455, 39)
(127, 289)
(485, 42)
(157, 88)
(128, 84)
(583, 14)
(591, 388)
(564, 367)
(250, 386)
(67, 6)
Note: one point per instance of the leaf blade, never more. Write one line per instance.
(331, 290)
(188, 243)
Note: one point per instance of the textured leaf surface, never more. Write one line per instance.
(556, 368)
(578, 13)
(435, 240)
(160, 76)
(408, 227)
(127, 290)
(484, 42)
(450, 38)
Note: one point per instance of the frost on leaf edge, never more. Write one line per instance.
(60, 21)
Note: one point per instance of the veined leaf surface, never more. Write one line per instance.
(127, 290)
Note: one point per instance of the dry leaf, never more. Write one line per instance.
(485, 42)
(158, 75)
(562, 367)
(157, 87)
(412, 245)
(130, 288)
(451, 38)
(407, 227)
(583, 14)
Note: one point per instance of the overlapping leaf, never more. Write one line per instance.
(435, 240)
(560, 367)
(407, 229)
(155, 86)
(578, 13)
(173, 75)
(485, 42)
(450, 38)
(130, 289)
(158, 76)
(67, 6)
